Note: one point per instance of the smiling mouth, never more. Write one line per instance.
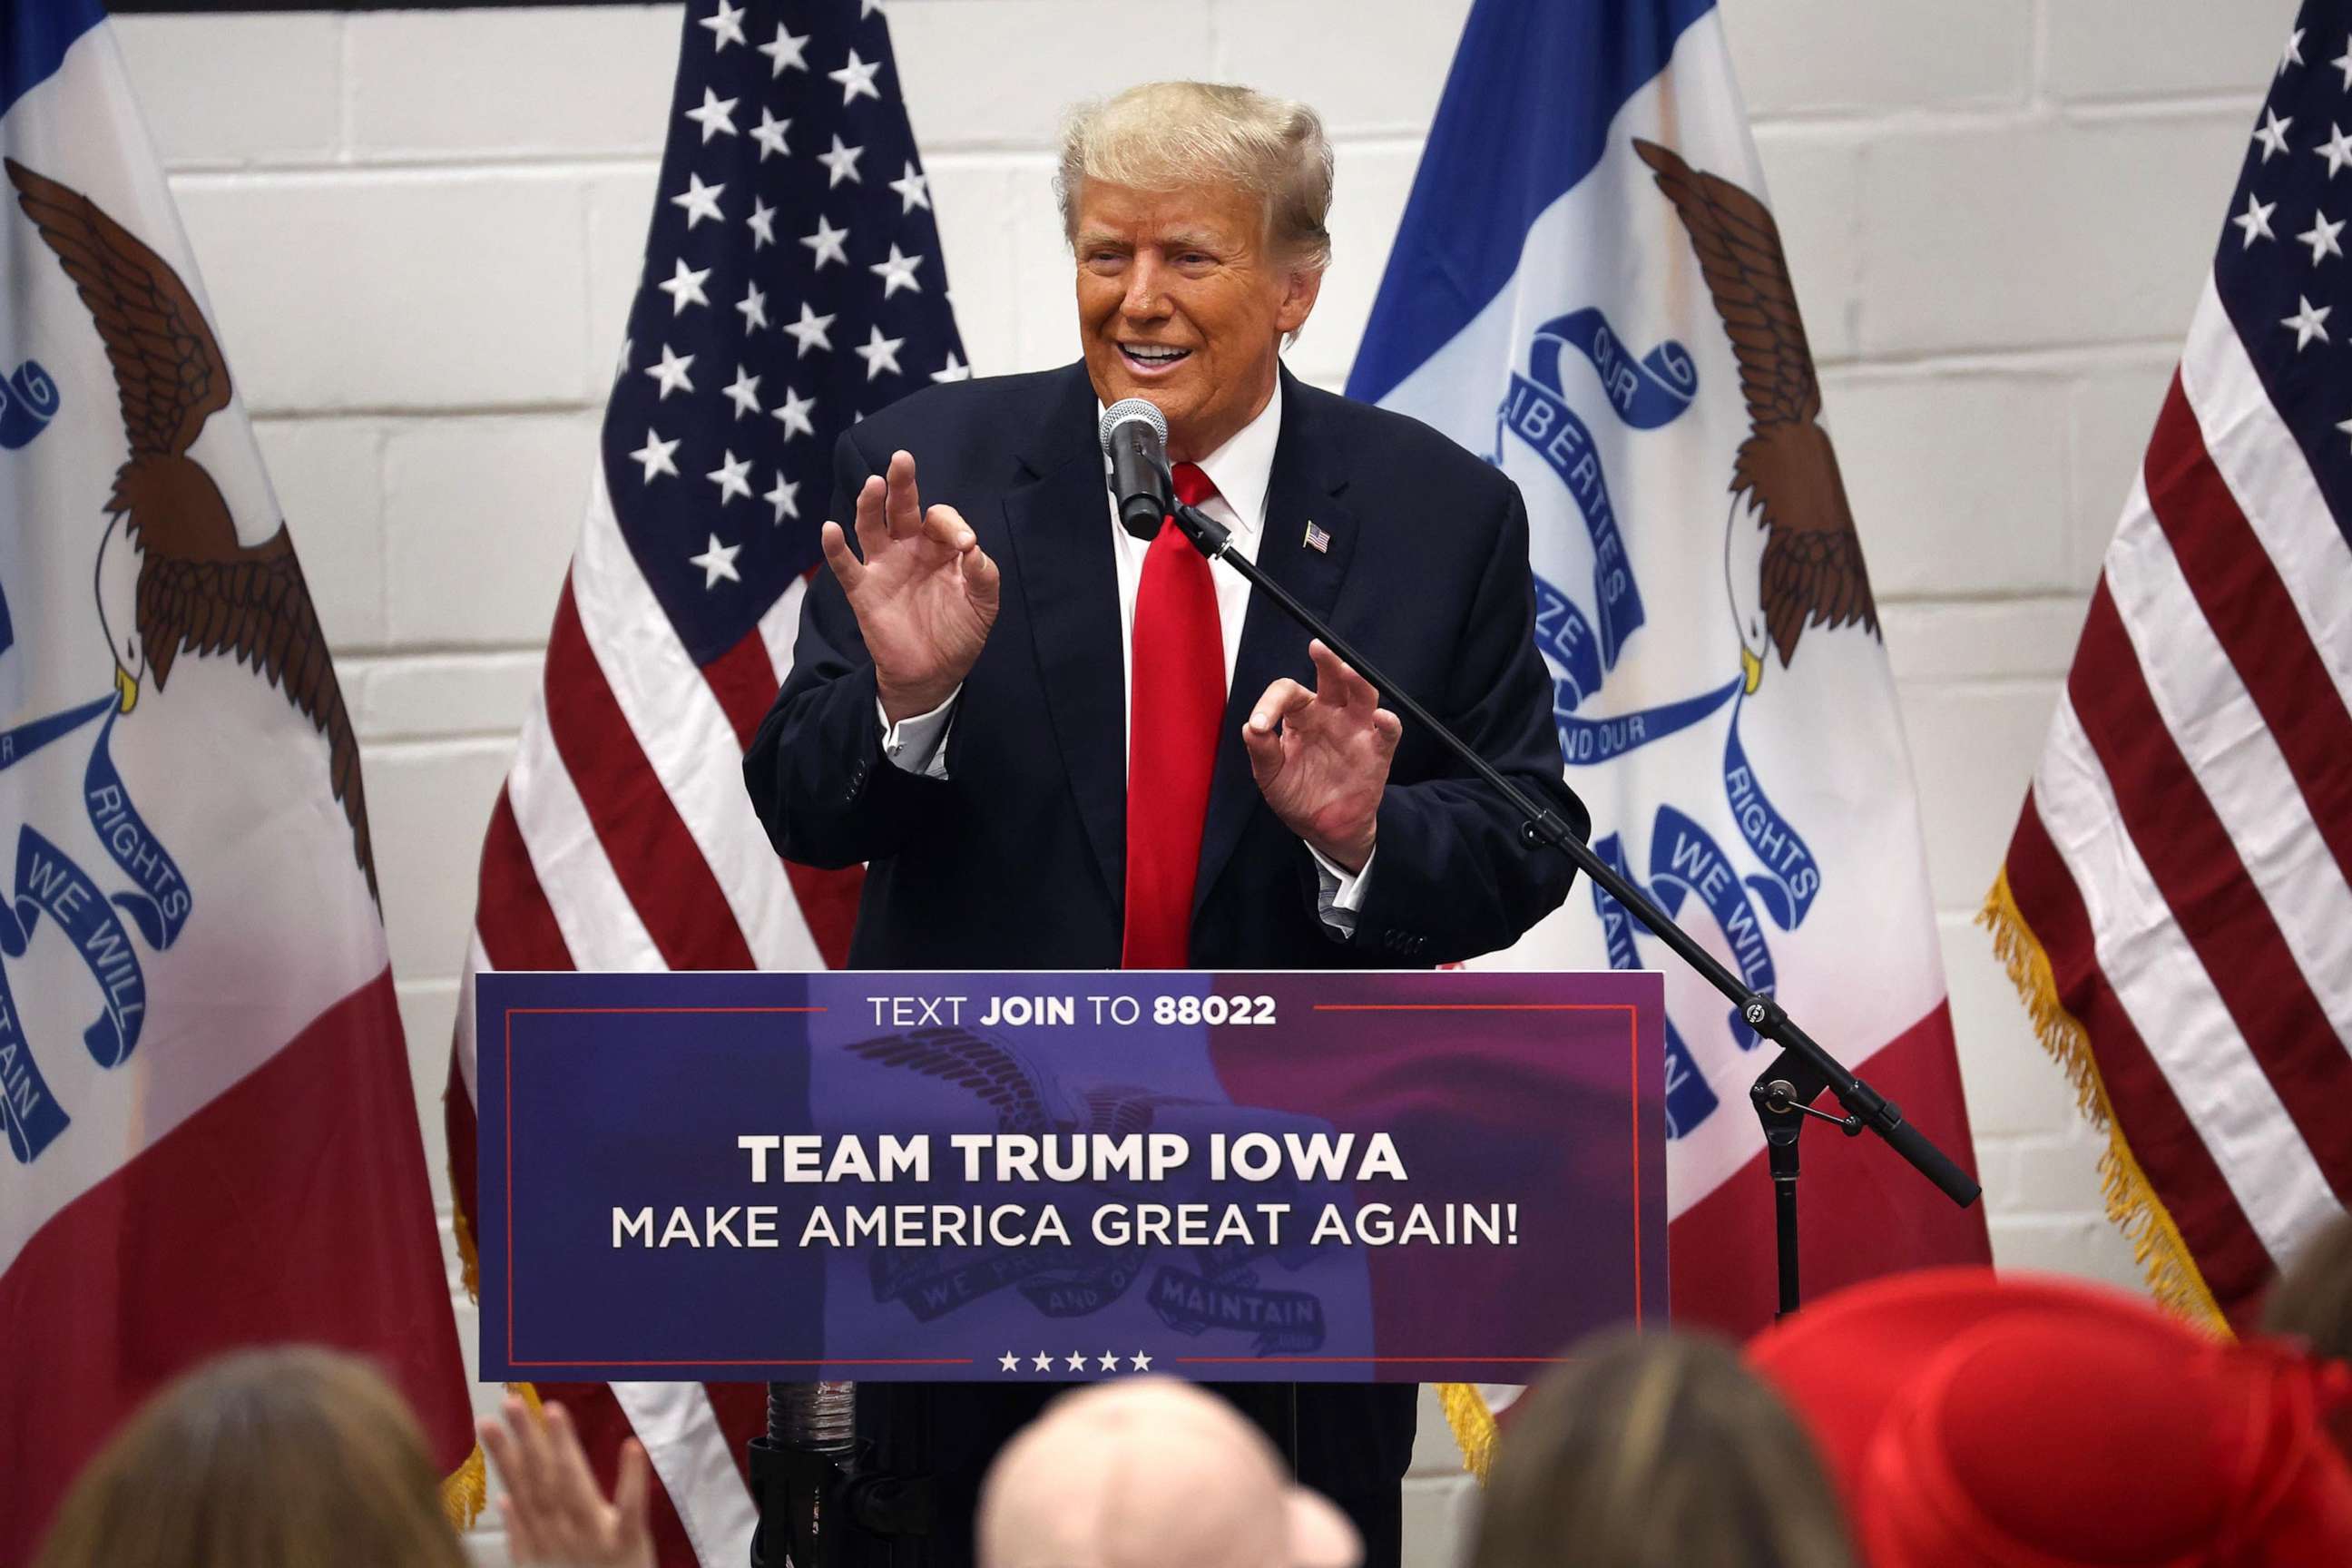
(1148, 358)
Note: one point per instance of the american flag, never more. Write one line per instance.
(792, 285)
(2175, 904)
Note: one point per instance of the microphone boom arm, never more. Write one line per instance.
(1543, 826)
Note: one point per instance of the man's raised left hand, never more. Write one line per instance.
(1321, 757)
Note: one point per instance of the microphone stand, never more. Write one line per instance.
(1783, 1094)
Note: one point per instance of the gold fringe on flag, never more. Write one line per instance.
(2132, 1205)
(1474, 1425)
(466, 1491)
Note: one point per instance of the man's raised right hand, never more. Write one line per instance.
(925, 595)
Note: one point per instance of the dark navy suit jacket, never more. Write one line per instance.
(1016, 859)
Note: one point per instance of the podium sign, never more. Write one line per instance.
(1227, 1176)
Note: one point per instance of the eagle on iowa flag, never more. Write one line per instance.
(172, 577)
(208, 1134)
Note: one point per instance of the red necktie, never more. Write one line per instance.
(1175, 704)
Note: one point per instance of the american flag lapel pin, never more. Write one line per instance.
(1318, 539)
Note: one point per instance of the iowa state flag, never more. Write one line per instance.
(1588, 287)
(210, 1132)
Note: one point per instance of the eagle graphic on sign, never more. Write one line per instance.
(1025, 1100)
(172, 578)
(1791, 558)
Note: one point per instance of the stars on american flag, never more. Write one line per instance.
(685, 287)
(717, 561)
(670, 371)
(2337, 150)
(733, 478)
(804, 128)
(656, 455)
(770, 134)
(841, 163)
(787, 53)
(2282, 297)
(2321, 237)
(880, 353)
(827, 243)
(2255, 220)
(855, 77)
(743, 392)
(898, 273)
(726, 26)
(2270, 135)
(809, 332)
(753, 307)
(2307, 322)
(914, 190)
(784, 496)
(716, 115)
(700, 201)
(793, 414)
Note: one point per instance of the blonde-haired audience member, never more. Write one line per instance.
(1151, 1473)
(1657, 1451)
(272, 1458)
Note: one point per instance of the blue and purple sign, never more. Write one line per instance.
(1335, 1177)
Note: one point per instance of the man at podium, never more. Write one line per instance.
(1057, 745)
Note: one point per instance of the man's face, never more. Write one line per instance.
(1180, 302)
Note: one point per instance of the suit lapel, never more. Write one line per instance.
(1304, 487)
(1059, 522)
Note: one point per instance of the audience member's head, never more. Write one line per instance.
(2313, 1299)
(279, 1458)
(2312, 1302)
(1973, 1421)
(1656, 1451)
(1151, 1473)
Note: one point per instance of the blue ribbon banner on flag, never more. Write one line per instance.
(50, 881)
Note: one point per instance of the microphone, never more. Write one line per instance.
(1134, 435)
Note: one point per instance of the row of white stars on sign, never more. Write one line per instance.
(1041, 1362)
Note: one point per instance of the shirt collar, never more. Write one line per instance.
(1243, 468)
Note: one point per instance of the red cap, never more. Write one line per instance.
(2041, 1423)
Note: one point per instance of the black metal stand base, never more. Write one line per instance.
(1783, 1097)
(835, 1510)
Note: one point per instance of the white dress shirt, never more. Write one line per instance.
(1242, 469)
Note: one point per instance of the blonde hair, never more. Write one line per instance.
(1165, 135)
(1657, 1451)
(275, 1458)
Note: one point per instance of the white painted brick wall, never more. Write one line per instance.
(1997, 214)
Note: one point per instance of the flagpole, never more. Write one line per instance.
(1803, 1062)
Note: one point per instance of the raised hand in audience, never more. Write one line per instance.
(555, 1513)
